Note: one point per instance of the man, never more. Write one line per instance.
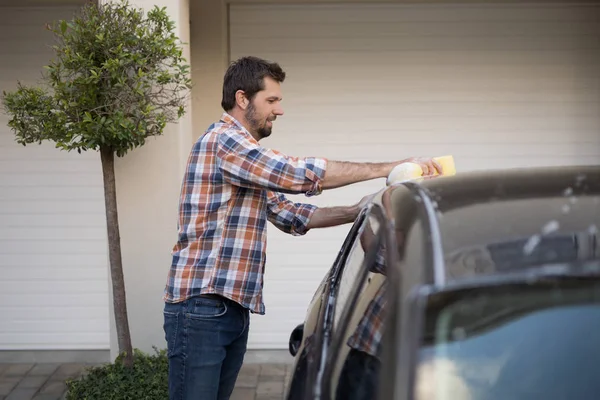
(231, 188)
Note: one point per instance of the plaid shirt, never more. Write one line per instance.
(231, 187)
(368, 333)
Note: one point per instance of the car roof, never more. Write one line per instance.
(489, 222)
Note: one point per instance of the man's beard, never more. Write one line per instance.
(262, 131)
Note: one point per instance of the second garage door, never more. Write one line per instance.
(495, 86)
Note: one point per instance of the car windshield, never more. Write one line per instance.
(512, 342)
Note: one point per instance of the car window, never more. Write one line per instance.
(513, 343)
(359, 324)
(532, 232)
(354, 261)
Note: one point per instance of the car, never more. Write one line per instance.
(483, 285)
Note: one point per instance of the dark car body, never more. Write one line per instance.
(483, 270)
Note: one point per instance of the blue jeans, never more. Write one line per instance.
(206, 342)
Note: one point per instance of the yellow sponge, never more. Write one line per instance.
(447, 163)
(407, 171)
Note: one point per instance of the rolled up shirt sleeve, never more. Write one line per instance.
(287, 216)
(243, 162)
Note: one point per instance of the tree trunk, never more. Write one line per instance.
(116, 265)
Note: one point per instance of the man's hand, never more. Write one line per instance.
(364, 201)
(428, 165)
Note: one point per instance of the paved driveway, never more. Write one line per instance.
(47, 381)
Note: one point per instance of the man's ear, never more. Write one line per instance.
(241, 100)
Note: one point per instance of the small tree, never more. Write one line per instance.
(118, 77)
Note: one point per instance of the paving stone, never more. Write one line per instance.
(43, 369)
(32, 382)
(243, 394)
(66, 371)
(54, 387)
(269, 397)
(3, 367)
(269, 388)
(22, 394)
(18, 369)
(250, 369)
(7, 383)
(248, 376)
(273, 370)
(47, 397)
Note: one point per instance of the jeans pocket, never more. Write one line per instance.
(207, 308)
(171, 327)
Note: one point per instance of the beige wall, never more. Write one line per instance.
(209, 40)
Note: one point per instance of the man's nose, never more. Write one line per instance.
(278, 111)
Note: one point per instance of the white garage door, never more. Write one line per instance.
(495, 86)
(53, 250)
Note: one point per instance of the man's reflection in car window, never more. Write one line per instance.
(359, 374)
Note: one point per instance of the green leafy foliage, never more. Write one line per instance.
(147, 379)
(117, 78)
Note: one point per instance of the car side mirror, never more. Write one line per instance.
(296, 339)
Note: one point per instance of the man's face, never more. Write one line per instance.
(264, 108)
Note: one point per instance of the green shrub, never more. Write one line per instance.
(146, 380)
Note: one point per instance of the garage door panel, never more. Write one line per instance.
(386, 151)
(476, 89)
(296, 109)
(491, 93)
(387, 121)
(463, 74)
(497, 86)
(413, 137)
(64, 165)
(52, 261)
(82, 325)
(297, 60)
(54, 273)
(52, 193)
(49, 313)
(34, 16)
(397, 13)
(54, 220)
(423, 43)
(56, 246)
(49, 288)
(411, 29)
(81, 179)
(37, 233)
(50, 206)
(32, 341)
(60, 300)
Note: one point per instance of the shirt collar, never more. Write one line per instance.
(230, 120)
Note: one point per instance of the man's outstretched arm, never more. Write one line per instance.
(325, 217)
(342, 173)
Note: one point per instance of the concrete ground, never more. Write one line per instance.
(47, 381)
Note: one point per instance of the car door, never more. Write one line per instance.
(350, 361)
(310, 340)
